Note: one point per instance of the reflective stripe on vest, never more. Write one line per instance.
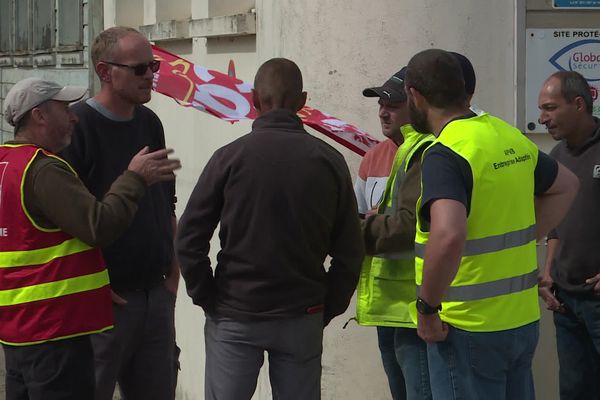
(10, 259)
(51, 290)
(490, 244)
(479, 291)
(495, 285)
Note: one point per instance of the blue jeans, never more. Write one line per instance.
(411, 354)
(385, 338)
(484, 365)
(578, 345)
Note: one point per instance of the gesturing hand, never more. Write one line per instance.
(154, 167)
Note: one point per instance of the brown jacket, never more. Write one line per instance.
(284, 201)
(392, 233)
(55, 197)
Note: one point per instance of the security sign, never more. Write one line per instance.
(551, 50)
(578, 4)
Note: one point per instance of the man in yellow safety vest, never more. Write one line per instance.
(487, 194)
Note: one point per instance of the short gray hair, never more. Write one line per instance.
(572, 85)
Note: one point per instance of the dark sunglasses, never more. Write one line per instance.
(139, 69)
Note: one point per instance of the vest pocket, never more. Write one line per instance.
(391, 289)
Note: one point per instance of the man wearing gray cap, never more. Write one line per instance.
(53, 278)
(387, 282)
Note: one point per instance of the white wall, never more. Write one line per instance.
(345, 46)
(195, 136)
(341, 47)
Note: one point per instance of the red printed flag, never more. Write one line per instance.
(229, 98)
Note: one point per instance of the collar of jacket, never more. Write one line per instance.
(278, 119)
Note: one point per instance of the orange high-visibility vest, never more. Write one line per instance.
(52, 285)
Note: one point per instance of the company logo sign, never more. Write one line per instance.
(582, 56)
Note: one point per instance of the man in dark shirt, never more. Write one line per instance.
(476, 229)
(284, 200)
(140, 352)
(571, 282)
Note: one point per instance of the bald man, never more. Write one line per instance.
(285, 201)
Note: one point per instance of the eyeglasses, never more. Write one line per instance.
(138, 69)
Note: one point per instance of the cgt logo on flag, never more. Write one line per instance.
(582, 56)
(230, 99)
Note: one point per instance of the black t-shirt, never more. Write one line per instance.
(446, 175)
(100, 151)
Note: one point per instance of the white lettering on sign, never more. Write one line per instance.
(4, 232)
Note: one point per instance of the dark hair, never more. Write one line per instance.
(437, 75)
(572, 85)
(278, 82)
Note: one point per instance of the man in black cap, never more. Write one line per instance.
(375, 166)
(387, 281)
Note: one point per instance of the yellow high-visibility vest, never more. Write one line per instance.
(387, 281)
(496, 284)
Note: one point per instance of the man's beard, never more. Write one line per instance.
(418, 119)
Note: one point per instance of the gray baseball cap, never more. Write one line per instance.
(32, 92)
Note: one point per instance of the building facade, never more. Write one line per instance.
(341, 46)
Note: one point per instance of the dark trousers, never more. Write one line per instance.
(57, 370)
(578, 343)
(235, 353)
(139, 353)
(385, 340)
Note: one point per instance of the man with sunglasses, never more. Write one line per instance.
(140, 353)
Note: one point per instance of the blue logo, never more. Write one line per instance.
(582, 56)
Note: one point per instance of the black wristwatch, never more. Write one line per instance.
(426, 309)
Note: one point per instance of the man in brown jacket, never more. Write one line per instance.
(284, 202)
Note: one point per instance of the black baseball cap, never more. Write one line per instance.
(392, 89)
(467, 71)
